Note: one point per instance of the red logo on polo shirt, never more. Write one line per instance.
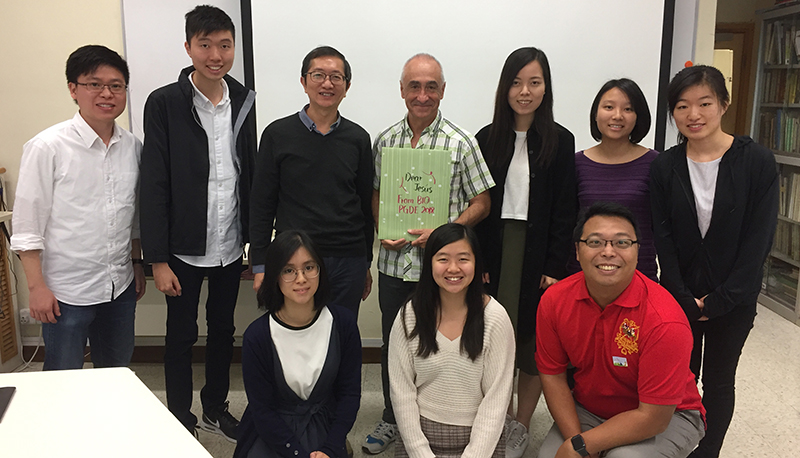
(627, 336)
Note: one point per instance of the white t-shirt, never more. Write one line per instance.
(703, 176)
(302, 351)
(516, 191)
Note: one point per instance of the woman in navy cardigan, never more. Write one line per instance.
(301, 361)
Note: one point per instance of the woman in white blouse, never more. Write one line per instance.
(451, 356)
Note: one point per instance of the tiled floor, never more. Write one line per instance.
(766, 423)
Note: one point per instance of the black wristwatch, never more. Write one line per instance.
(579, 445)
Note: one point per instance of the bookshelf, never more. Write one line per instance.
(776, 125)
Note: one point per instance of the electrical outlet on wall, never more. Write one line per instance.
(25, 316)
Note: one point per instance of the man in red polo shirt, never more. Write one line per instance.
(629, 342)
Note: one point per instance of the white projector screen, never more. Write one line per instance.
(586, 41)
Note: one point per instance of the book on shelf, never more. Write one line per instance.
(787, 240)
(782, 196)
(768, 49)
(795, 215)
(780, 130)
(783, 42)
(796, 35)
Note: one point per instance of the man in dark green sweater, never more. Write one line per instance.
(314, 172)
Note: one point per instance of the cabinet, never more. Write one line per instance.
(776, 125)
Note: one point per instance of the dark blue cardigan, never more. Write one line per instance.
(261, 420)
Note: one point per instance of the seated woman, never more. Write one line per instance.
(301, 361)
(451, 356)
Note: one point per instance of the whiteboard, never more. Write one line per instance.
(587, 43)
(154, 33)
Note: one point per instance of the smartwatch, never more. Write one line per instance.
(579, 445)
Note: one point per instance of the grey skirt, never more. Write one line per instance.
(447, 441)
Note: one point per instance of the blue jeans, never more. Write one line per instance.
(346, 277)
(109, 326)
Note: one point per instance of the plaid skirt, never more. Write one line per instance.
(447, 441)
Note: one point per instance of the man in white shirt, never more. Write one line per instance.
(75, 222)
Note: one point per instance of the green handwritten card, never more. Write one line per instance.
(415, 191)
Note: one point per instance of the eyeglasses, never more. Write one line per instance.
(320, 77)
(617, 244)
(115, 88)
(289, 274)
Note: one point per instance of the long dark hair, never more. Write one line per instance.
(280, 251)
(501, 133)
(426, 302)
(695, 76)
(638, 103)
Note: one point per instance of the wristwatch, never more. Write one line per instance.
(579, 445)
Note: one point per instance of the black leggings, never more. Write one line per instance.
(718, 344)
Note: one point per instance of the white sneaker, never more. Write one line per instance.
(517, 439)
(379, 440)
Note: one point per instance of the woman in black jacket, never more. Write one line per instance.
(526, 237)
(715, 204)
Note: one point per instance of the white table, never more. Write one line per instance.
(90, 413)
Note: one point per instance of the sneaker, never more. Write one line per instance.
(379, 440)
(220, 421)
(517, 439)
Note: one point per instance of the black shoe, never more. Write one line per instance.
(220, 421)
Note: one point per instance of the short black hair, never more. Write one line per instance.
(279, 252)
(695, 76)
(86, 59)
(638, 103)
(326, 51)
(207, 19)
(602, 208)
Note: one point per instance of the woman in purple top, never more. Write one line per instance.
(618, 168)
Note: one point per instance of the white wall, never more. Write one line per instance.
(586, 42)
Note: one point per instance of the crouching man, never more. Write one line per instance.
(630, 342)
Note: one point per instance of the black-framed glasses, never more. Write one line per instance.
(320, 77)
(289, 274)
(94, 87)
(617, 244)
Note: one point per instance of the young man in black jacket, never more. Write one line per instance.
(196, 173)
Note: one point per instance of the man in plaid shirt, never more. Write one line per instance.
(400, 261)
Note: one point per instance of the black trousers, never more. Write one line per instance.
(718, 345)
(223, 289)
(392, 294)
